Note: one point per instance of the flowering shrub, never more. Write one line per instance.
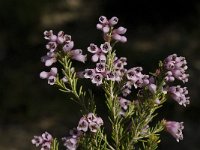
(131, 96)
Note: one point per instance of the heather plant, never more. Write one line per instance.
(132, 98)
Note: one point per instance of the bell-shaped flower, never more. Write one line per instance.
(83, 124)
(179, 94)
(68, 46)
(51, 76)
(97, 79)
(175, 129)
(51, 46)
(49, 59)
(70, 143)
(48, 35)
(77, 55)
(176, 68)
(37, 140)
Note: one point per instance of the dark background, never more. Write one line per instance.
(29, 106)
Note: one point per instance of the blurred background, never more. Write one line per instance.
(29, 106)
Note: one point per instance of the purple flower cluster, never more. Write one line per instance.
(107, 26)
(71, 142)
(179, 94)
(134, 78)
(44, 141)
(49, 59)
(99, 56)
(176, 67)
(101, 72)
(89, 122)
(175, 129)
(51, 76)
(52, 45)
(60, 43)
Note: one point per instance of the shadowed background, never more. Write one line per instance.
(28, 106)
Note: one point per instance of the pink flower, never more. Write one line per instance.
(138, 79)
(46, 146)
(51, 76)
(175, 129)
(97, 79)
(70, 143)
(176, 67)
(49, 59)
(91, 117)
(117, 34)
(83, 124)
(106, 26)
(68, 46)
(37, 140)
(91, 122)
(124, 103)
(77, 55)
(152, 88)
(46, 136)
(100, 67)
(48, 35)
(179, 94)
(62, 37)
(99, 53)
(89, 73)
(113, 21)
(44, 141)
(51, 46)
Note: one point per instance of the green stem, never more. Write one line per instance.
(105, 140)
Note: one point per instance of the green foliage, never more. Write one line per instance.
(54, 144)
(86, 103)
